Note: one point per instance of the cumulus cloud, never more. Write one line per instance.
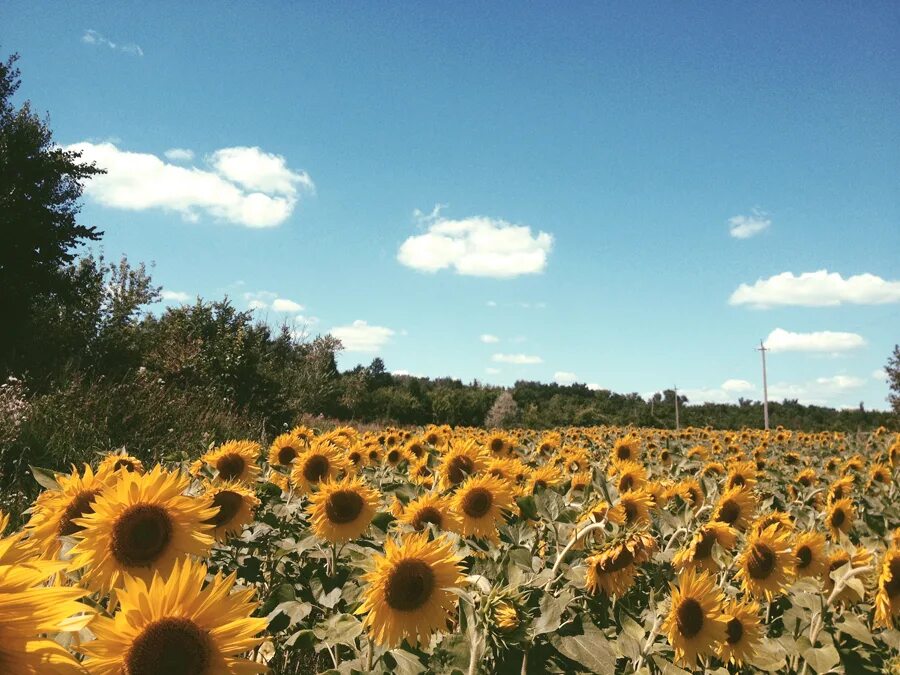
(174, 296)
(517, 359)
(361, 337)
(92, 37)
(737, 386)
(179, 154)
(744, 227)
(593, 386)
(476, 246)
(261, 194)
(489, 339)
(492, 371)
(816, 289)
(820, 391)
(880, 374)
(727, 392)
(272, 301)
(564, 377)
(285, 305)
(306, 320)
(780, 340)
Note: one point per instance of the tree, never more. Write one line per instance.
(40, 185)
(503, 413)
(893, 377)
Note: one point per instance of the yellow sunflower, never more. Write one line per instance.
(497, 443)
(626, 449)
(766, 565)
(736, 507)
(840, 516)
(407, 595)
(320, 462)
(809, 554)
(743, 632)
(840, 489)
(629, 475)
(234, 460)
(234, 505)
(782, 520)
(695, 624)
(699, 552)
(691, 492)
(480, 504)
(119, 461)
(741, 474)
(420, 473)
(432, 509)
(545, 476)
(176, 625)
(342, 510)
(459, 461)
(29, 611)
(633, 508)
(887, 600)
(612, 570)
(285, 449)
(140, 525)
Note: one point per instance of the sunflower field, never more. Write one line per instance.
(460, 550)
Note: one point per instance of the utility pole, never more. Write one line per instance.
(762, 350)
(677, 423)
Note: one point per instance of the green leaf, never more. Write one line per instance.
(822, 659)
(528, 507)
(853, 626)
(339, 629)
(769, 656)
(551, 613)
(46, 478)
(403, 663)
(592, 650)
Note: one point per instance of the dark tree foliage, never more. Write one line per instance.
(40, 185)
(893, 376)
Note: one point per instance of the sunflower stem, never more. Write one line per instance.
(576, 536)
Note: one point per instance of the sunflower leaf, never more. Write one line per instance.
(592, 650)
(46, 478)
(822, 659)
(853, 626)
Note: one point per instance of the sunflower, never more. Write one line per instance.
(612, 570)
(407, 596)
(782, 520)
(235, 506)
(713, 469)
(887, 600)
(320, 462)
(806, 478)
(879, 474)
(505, 468)
(633, 508)
(809, 554)
(234, 460)
(303, 434)
(55, 511)
(581, 480)
(699, 552)
(30, 610)
(341, 511)
(695, 625)
(625, 449)
(119, 461)
(497, 443)
(480, 503)
(691, 492)
(174, 625)
(735, 507)
(279, 480)
(840, 489)
(840, 516)
(431, 509)
(285, 449)
(629, 475)
(140, 525)
(415, 449)
(743, 632)
(698, 452)
(420, 473)
(741, 474)
(506, 618)
(766, 565)
(545, 476)
(460, 461)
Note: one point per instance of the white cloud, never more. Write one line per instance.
(816, 289)
(92, 37)
(306, 320)
(489, 339)
(593, 386)
(780, 340)
(564, 377)
(400, 373)
(737, 386)
(361, 337)
(822, 391)
(518, 359)
(285, 305)
(880, 375)
(744, 227)
(174, 296)
(492, 371)
(139, 181)
(179, 154)
(476, 246)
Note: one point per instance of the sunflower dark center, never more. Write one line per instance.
(689, 617)
(737, 480)
(460, 467)
(343, 506)
(496, 444)
(141, 535)
(729, 512)
(540, 483)
(426, 515)
(761, 561)
(664, 455)
(354, 457)
(228, 503)
(734, 631)
(704, 547)
(82, 505)
(171, 646)
(622, 559)
(838, 492)
(804, 557)
(431, 439)
(373, 454)
(623, 452)
(286, 455)
(409, 585)
(838, 518)
(805, 481)
(316, 468)
(626, 483)
(230, 466)
(631, 511)
(126, 464)
(892, 585)
(394, 456)
(477, 502)
(416, 449)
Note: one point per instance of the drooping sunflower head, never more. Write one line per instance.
(783, 521)
(141, 525)
(285, 449)
(633, 508)
(407, 594)
(342, 510)
(691, 492)
(700, 551)
(766, 565)
(713, 469)
(581, 480)
(628, 475)
(840, 516)
(177, 625)
(235, 506)
(119, 461)
(234, 460)
(809, 554)
(695, 625)
(887, 600)
(480, 504)
(421, 473)
(743, 632)
(320, 462)
(879, 476)
(736, 508)
(741, 474)
(842, 488)
(699, 453)
(543, 477)
(459, 461)
(430, 509)
(806, 478)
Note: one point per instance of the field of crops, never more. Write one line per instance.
(461, 551)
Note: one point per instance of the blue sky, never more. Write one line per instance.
(568, 180)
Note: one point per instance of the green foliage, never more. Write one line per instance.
(893, 376)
